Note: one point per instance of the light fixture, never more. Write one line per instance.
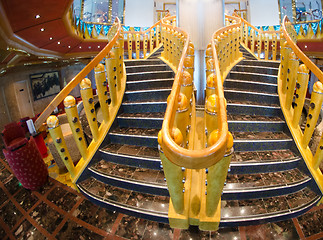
(69, 46)
(80, 46)
(99, 46)
(42, 29)
(305, 46)
(50, 38)
(89, 47)
(37, 16)
(58, 43)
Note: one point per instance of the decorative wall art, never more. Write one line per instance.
(44, 84)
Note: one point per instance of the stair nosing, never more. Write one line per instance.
(150, 80)
(251, 122)
(137, 73)
(154, 65)
(242, 164)
(254, 105)
(141, 103)
(129, 135)
(148, 90)
(246, 92)
(145, 118)
(251, 73)
(251, 82)
(132, 156)
(263, 140)
(262, 67)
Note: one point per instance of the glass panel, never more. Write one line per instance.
(77, 6)
(308, 10)
(286, 9)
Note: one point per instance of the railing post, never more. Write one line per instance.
(129, 46)
(259, 44)
(187, 84)
(291, 79)
(111, 68)
(174, 174)
(75, 124)
(151, 40)
(137, 46)
(211, 114)
(145, 45)
(157, 35)
(56, 134)
(88, 103)
(318, 155)
(120, 58)
(102, 90)
(182, 117)
(286, 50)
(274, 47)
(301, 89)
(313, 113)
(252, 40)
(266, 46)
(245, 31)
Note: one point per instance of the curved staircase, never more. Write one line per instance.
(267, 179)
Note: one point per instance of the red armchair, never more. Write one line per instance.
(24, 157)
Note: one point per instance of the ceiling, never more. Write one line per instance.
(32, 29)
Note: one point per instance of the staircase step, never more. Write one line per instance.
(233, 212)
(149, 75)
(254, 97)
(142, 107)
(250, 108)
(255, 77)
(144, 120)
(147, 95)
(262, 63)
(256, 69)
(149, 84)
(261, 141)
(134, 136)
(130, 63)
(146, 68)
(249, 85)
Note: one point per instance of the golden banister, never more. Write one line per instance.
(262, 38)
(151, 34)
(291, 54)
(78, 78)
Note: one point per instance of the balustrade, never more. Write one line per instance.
(293, 80)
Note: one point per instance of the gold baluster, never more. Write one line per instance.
(291, 79)
(145, 45)
(246, 37)
(137, 46)
(259, 44)
(151, 40)
(186, 84)
(88, 103)
(102, 91)
(318, 155)
(182, 116)
(266, 46)
(274, 47)
(286, 50)
(56, 134)
(111, 68)
(313, 113)
(75, 124)
(211, 114)
(301, 89)
(157, 35)
(129, 46)
(252, 40)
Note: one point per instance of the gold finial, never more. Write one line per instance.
(52, 121)
(85, 83)
(69, 101)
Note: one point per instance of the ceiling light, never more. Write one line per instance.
(98, 46)
(305, 46)
(80, 46)
(58, 42)
(37, 16)
(89, 46)
(50, 38)
(42, 29)
(69, 46)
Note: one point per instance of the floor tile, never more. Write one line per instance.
(10, 214)
(26, 198)
(311, 223)
(131, 228)
(158, 231)
(27, 231)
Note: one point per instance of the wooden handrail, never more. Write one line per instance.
(195, 158)
(317, 72)
(78, 78)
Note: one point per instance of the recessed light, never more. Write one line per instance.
(42, 29)
(89, 46)
(37, 16)
(305, 46)
(80, 46)
(69, 46)
(99, 46)
(58, 42)
(50, 38)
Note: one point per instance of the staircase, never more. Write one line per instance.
(267, 179)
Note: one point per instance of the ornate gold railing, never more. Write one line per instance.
(143, 43)
(261, 44)
(196, 173)
(292, 87)
(111, 75)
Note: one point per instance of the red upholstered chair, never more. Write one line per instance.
(24, 157)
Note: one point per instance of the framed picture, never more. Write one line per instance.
(44, 84)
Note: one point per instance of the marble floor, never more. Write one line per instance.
(56, 211)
